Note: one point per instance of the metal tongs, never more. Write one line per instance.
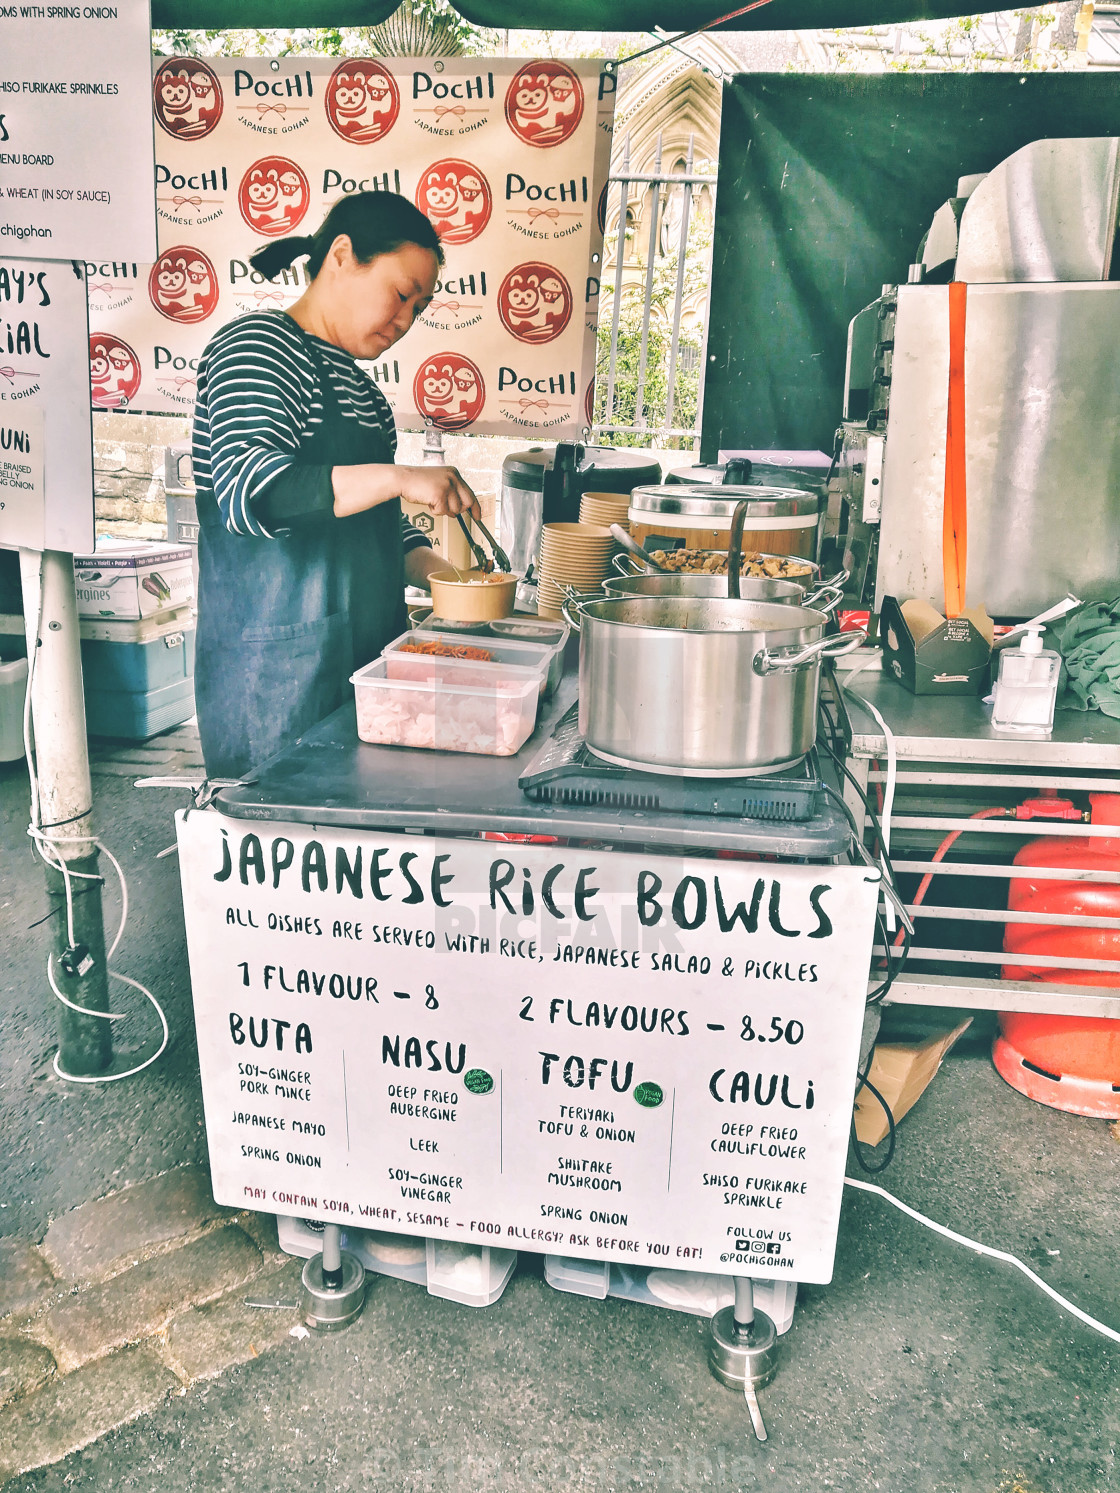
(482, 559)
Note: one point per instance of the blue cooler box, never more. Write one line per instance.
(135, 689)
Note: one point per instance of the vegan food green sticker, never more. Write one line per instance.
(478, 1081)
(649, 1095)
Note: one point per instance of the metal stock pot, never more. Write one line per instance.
(700, 687)
(823, 598)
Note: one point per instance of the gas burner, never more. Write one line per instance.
(567, 771)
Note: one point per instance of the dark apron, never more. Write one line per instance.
(283, 623)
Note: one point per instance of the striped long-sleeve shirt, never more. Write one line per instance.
(259, 395)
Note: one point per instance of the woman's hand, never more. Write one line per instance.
(440, 489)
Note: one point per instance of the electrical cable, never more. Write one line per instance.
(46, 844)
(993, 1254)
(892, 1130)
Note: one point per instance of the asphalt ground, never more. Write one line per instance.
(922, 1368)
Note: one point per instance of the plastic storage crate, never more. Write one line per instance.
(680, 1290)
(138, 677)
(473, 1275)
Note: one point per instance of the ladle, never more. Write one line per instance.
(631, 544)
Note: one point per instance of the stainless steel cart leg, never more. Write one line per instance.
(333, 1285)
(743, 1353)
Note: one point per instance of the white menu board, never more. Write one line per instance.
(46, 439)
(641, 1058)
(77, 174)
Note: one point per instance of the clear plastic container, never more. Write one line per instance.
(471, 1274)
(505, 658)
(679, 1290)
(494, 718)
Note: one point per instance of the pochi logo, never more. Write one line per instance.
(187, 98)
(535, 303)
(183, 285)
(274, 196)
(544, 104)
(456, 197)
(448, 390)
(114, 372)
(362, 101)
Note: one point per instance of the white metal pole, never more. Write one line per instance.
(62, 805)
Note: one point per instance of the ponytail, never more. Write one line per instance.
(375, 223)
(281, 255)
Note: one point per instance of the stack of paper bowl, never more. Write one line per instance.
(605, 508)
(574, 556)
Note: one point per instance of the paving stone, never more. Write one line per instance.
(71, 1412)
(94, 1240)
(24, 1367)
(209, 1339)
(261, 1229)
(140, 1301)
(25, 1277)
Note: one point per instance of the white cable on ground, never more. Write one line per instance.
(994, 1254)
(46, 847)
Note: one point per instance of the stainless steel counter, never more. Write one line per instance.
(950, 763)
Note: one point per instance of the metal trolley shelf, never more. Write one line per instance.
(950, 764)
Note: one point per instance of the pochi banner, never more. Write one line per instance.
(509, 160)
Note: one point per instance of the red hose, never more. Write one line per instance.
(942, 851)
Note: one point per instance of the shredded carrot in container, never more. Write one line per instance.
(448, 650)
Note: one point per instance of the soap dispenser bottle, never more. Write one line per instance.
(1027, 687)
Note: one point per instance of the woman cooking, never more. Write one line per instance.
(303, 551)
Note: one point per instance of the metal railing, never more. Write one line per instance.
(631, 401)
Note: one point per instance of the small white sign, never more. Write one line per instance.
(643, 1058)
(77, 165)
(44, 393)
(21, 475)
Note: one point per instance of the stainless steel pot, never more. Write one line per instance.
(700, 687)
(823, 598)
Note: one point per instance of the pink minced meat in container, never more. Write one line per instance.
(423, 701)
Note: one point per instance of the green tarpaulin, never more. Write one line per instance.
(557, 15)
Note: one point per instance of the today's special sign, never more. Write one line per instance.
(596, 1054)
(508, 159)
(46, 437)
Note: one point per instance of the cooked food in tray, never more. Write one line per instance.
(714, 562)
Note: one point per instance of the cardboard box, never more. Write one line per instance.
(901, 1072)
(128, 581)
(932, 655)
(445, 535)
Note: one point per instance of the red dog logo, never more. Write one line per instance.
(183, 286)
(188, 98)
(456, 197)
(114, 372)
(363, 101)
(448, 390)
(544, 104)
(535, 303)
(273, 196)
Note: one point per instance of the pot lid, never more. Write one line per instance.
(703, 500)
(527, 468)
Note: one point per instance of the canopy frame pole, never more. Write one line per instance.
(647, 301)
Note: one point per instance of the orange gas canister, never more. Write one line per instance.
(1068, 1062)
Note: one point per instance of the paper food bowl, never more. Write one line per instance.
(477, 597)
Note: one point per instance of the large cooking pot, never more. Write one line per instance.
(780, 521)
(700, 687)
(823, 598)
